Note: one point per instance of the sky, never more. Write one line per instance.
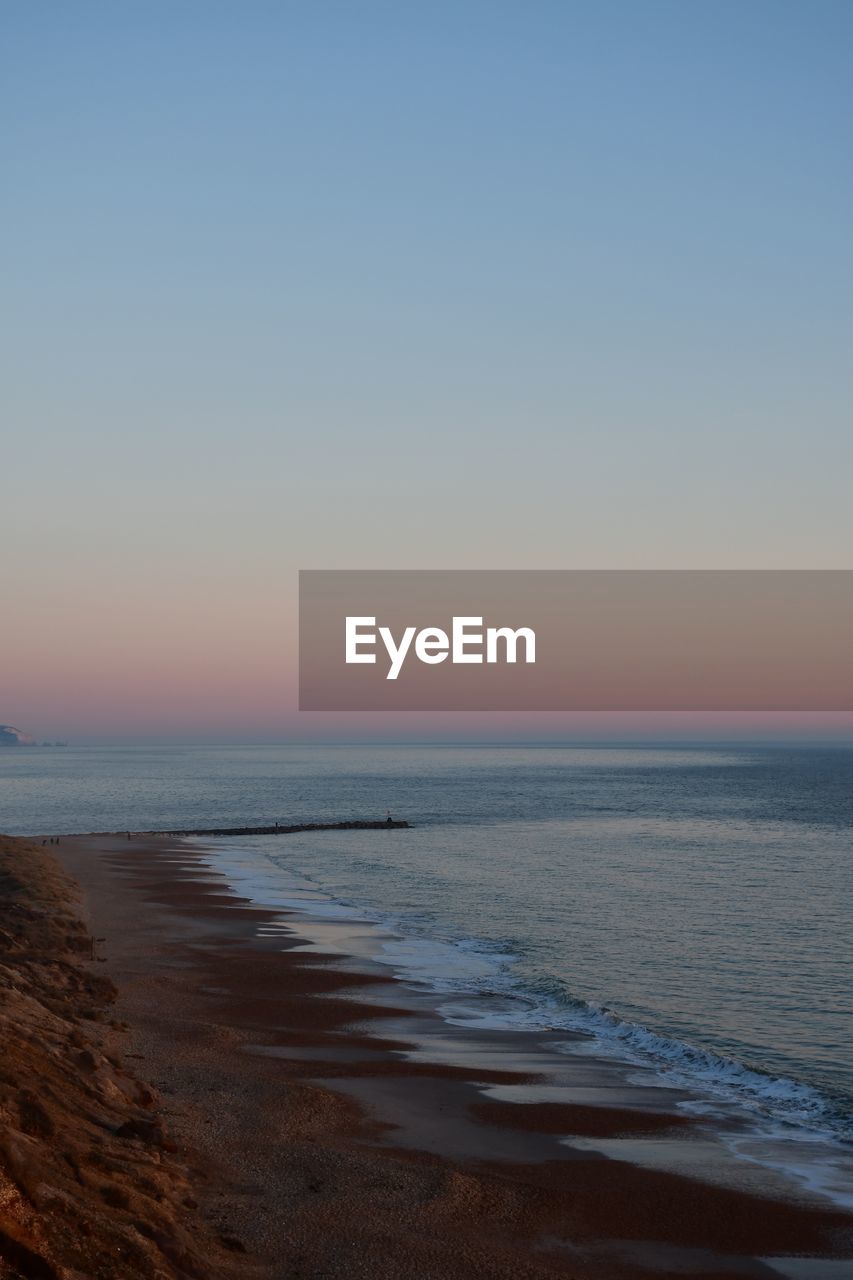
(386, 285)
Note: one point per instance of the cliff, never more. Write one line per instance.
(90, 1182)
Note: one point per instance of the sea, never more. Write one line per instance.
(690, 909)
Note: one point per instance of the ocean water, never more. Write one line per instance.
(691, 908)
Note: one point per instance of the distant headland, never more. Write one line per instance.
(12, 737)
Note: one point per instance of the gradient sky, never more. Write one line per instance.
(378, 285)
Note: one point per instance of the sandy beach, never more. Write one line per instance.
(277, 1110)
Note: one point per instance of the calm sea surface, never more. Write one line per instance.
(692, 908)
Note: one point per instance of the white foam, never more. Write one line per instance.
(784, 1125)
(439, 964)
(821, 1166)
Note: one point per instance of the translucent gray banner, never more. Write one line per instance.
(576, 640)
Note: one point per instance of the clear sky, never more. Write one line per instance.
(325, 284)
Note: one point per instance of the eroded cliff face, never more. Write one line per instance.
(90, 1183)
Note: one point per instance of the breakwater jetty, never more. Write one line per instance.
(272, 829)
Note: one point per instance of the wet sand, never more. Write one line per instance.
(333, 1125)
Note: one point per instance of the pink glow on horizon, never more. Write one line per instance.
(176, 690)
(199, 664)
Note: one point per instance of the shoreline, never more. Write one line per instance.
(358, 1141)
(477, 984)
